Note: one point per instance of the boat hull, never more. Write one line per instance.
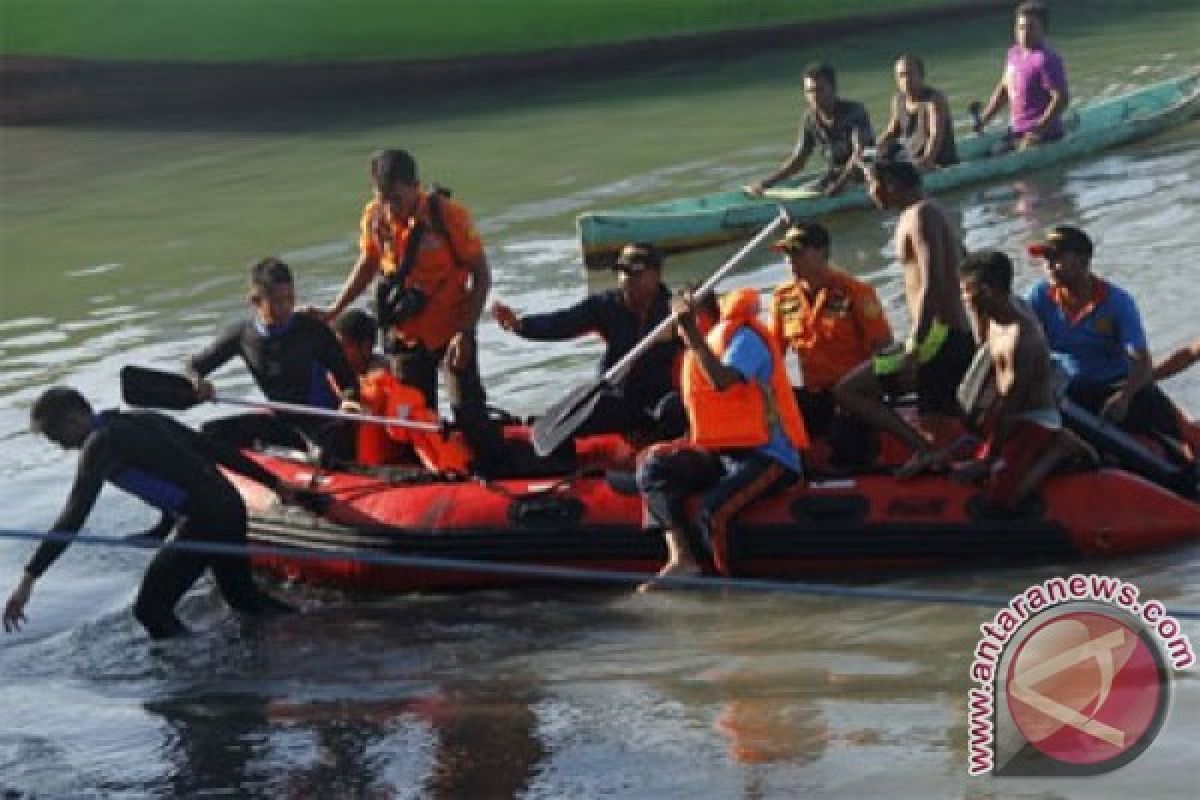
(380, 535)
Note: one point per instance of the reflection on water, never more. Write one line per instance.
(127, 245)
(458, 740)
(428, 699)
(504, 694)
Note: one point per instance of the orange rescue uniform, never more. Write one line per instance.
(832, 331)
(439, 269)
(383, 395)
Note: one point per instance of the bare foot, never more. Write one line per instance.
(673, 569)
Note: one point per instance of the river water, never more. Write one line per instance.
(127, 243)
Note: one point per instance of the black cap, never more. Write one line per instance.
(1062, 239)
(801, 235)
(638, 256)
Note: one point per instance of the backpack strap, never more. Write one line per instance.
(438, 221)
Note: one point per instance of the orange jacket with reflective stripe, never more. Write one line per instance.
(832, 331)
(741, 414)
(438, 268)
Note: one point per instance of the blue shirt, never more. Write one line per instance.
(749, 355)
(1095, 347)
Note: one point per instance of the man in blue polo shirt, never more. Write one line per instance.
(1095, 332)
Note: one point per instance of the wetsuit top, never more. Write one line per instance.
(652, 376)
(916, 135)
(835, 141)
(290, 361)
(154, 458)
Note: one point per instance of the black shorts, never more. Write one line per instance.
(939, 377)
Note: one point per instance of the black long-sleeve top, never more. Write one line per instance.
(290, 362)
(154, 458)
(606, 315)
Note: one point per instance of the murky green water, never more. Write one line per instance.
(128, 243)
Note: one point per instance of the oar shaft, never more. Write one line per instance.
(617, 370)
(313, 411)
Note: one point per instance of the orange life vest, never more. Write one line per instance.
(741, 414)
(383, 395)
(705, 322)
(373, 446)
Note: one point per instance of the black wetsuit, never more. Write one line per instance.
(291, 363)
(646, 399)
(174, 469)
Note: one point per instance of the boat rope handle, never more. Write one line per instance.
(580, 575)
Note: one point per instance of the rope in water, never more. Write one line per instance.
(571, 574)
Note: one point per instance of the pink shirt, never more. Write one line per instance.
(1029, 75)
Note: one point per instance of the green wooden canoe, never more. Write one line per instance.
(698, 222)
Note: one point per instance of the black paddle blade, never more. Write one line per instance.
(154, 389)
(564, 417)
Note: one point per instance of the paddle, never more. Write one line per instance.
(976, 110)
(152, 388)
(1130, 453)
(564, 418)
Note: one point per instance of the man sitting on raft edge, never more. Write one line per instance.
(746, 434)
(1026, 438)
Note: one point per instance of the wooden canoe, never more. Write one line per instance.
(698, 222)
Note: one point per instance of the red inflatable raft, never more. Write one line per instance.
(866, 525)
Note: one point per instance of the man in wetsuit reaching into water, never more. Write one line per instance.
(170, 467)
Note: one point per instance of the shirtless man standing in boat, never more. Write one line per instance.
(940, 346)
(1027, 439)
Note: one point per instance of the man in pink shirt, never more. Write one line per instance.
(1034, 84)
